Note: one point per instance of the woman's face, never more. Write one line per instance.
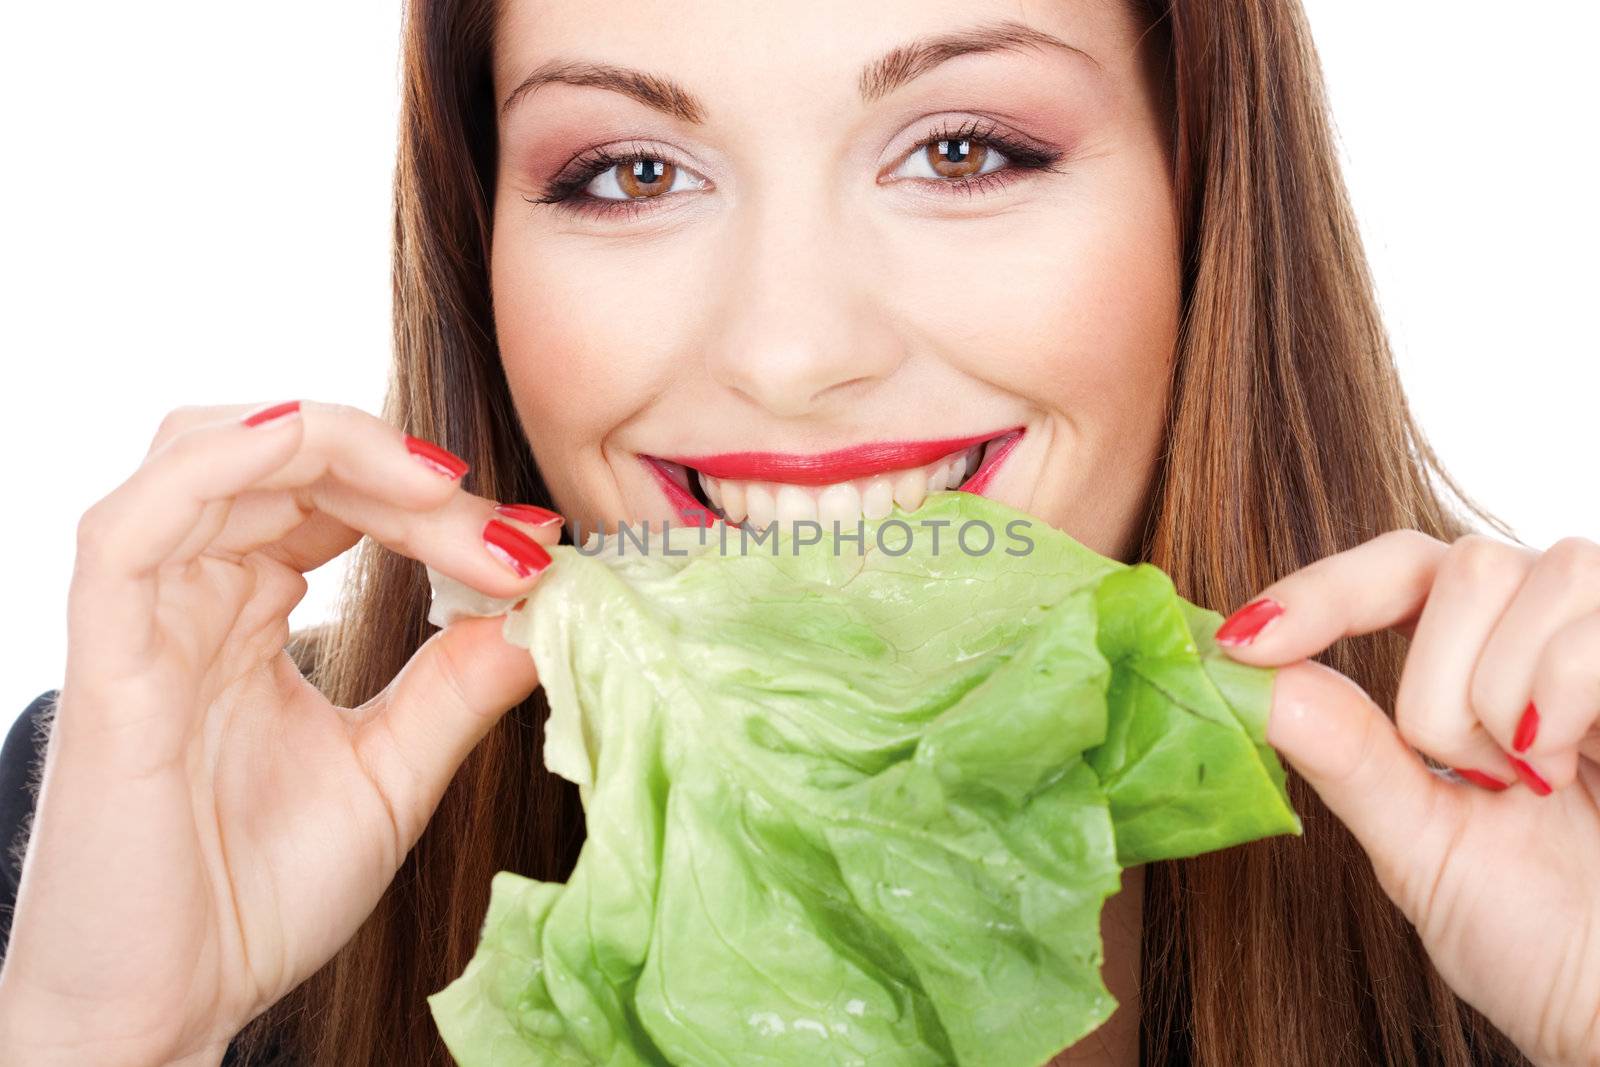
(821, 252)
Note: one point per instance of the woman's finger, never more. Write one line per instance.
(348, 465)
(177, 502)
(308, 541)
(1381, 583)
(465, 537)
(1561, 591)
(1473, 583)
(1445, 597)
(1566, 695)
(124, 536)
(282, 526)
(358, 468)
(188, 417)
(338, 444)
(421, 727)
(1347, 749)
(414, 735)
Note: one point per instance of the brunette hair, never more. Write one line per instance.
(1288, 439)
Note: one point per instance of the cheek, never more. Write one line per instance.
(584, 335)
(1071, 303)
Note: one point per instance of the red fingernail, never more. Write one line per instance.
(1478, 778)
(1530, 777)
(1241, 627)
(445, 462)
(514, 548)
(529, 514)
(272, 411)
(1527, 728)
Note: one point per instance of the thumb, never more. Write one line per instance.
(436, 710)
(1349, 751)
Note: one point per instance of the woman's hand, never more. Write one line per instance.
(1500, 873)
(211, 830)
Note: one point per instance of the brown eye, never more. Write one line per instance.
(627, 179)
(645, 178)
(956, 159)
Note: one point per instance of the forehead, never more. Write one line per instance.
(739, 55)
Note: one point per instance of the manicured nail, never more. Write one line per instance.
(271, 412)
(446, 463)
(1478, 778)
(1530, 777)
(515, 549)
(1242, 626)
(529, 514)
(1527, 728)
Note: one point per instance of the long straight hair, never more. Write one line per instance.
(1288, 439)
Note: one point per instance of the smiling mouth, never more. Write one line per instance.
(865, 482)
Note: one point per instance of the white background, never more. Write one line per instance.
(195, 209)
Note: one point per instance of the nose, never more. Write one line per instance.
(800, 328)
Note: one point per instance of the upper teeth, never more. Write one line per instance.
(760, 503)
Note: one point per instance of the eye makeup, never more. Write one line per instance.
(567, 191)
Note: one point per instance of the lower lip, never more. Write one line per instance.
(692, 512)
(991, 463)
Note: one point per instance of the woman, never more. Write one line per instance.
(1116, 227)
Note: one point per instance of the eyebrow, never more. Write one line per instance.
(878, 79)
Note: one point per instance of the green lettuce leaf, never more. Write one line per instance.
(855, 807)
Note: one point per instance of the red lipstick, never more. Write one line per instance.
(997, 455)
(690, 511)
(825, 468)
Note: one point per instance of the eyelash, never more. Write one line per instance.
(566, 191)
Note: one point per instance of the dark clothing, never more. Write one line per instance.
(21, 758)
